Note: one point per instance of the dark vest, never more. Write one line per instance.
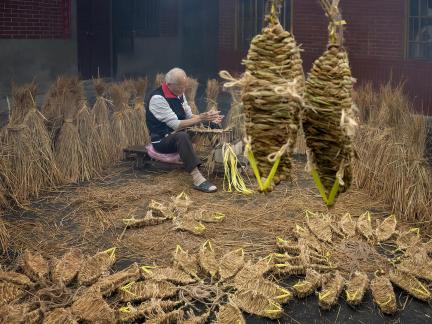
(158, 129)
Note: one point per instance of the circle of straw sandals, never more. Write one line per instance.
(221, 286)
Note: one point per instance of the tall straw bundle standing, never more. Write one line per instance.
(159, 80)
(212, 93)
(120, 126)
(27, 160)
(91, 141)
(272, 89)
(190, 93)
(236, 117)
(69, 151)
(328, 118)
(100, 114)
(142, 133)
(132, 129)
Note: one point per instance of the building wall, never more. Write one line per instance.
(375, 38)
(38, 42)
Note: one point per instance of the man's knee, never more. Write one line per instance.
(183, 137)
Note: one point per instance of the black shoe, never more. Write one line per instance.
(205, 187)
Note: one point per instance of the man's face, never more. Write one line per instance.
(179, 87)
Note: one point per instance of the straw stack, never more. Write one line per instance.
(212, 93)
(159, 80)
(190, 93)
(120, 126)
(328, 118)
(69, 151)
(100, 114)
(143, 136)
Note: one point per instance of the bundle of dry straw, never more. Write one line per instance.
(212, 93)
(120, 122)
(391, 149)
(100, 113)
(159, 80)
(143, 136)
(190, 93)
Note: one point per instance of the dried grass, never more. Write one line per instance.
(120, 121)
(364, 225)
(186, 262)
(162, 317)
(190, 93)
(408, 238)
(189, 225)
(347, 225)
(191, 318)
(212, 93)
(148, 309)
(21, 313)
(391, 150)
(207, 259)
(319, 224)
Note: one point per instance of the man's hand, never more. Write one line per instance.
(211, 116)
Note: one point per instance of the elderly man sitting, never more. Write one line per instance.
(168, 114)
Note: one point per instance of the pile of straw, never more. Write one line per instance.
(69, 151)
(120, 122)
(328, 122)
(190, 93)
(212, 93)
(100, 113)
(391, 149)
(143, 136)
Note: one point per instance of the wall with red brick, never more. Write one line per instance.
(35, 19)
(375, 38)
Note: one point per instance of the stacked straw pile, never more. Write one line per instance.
(101, 120)
(328, 125)
(212, 93)
(120, 122)
(143, 136)
(29, 165)
(272, 89)
(70, 152)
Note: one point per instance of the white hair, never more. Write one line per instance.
(174, 75)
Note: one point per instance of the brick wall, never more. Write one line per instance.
(375, 38)
(33, 19)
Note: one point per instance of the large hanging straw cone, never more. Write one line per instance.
(159, 80)
(410, 284)
(10, 292)
(131, 314)
(356, 288)
(319, 224)
(212, 93)
(347, 225)
(167, 274)
(96, 265)
(143, 290)
(229, 314)
(15, 278)
(35, 266)
(309, 285)
(207, 259)
(386, 228)
(364, 225)
(60, 316)
(186, 262)
(92, 307)
(66, 269)
(231, 263)
(107, 285)
(91, 141)
(328, 121)
(383, 295)
(331, 289)
(253, 302)
(190, 93)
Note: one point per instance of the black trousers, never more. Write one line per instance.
(180, 143)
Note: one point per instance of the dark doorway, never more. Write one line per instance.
(200, 37)
(94, 38)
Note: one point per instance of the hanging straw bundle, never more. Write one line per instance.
(143, 137)
(383, 295)
(235, 120)
(143, 290)
(91, 142)
(212, 93)
(190, 93)
(120, 124)
(100, 113)
(328, 121)
(69, 151)
(272, 89)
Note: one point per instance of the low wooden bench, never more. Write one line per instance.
(143, 160)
